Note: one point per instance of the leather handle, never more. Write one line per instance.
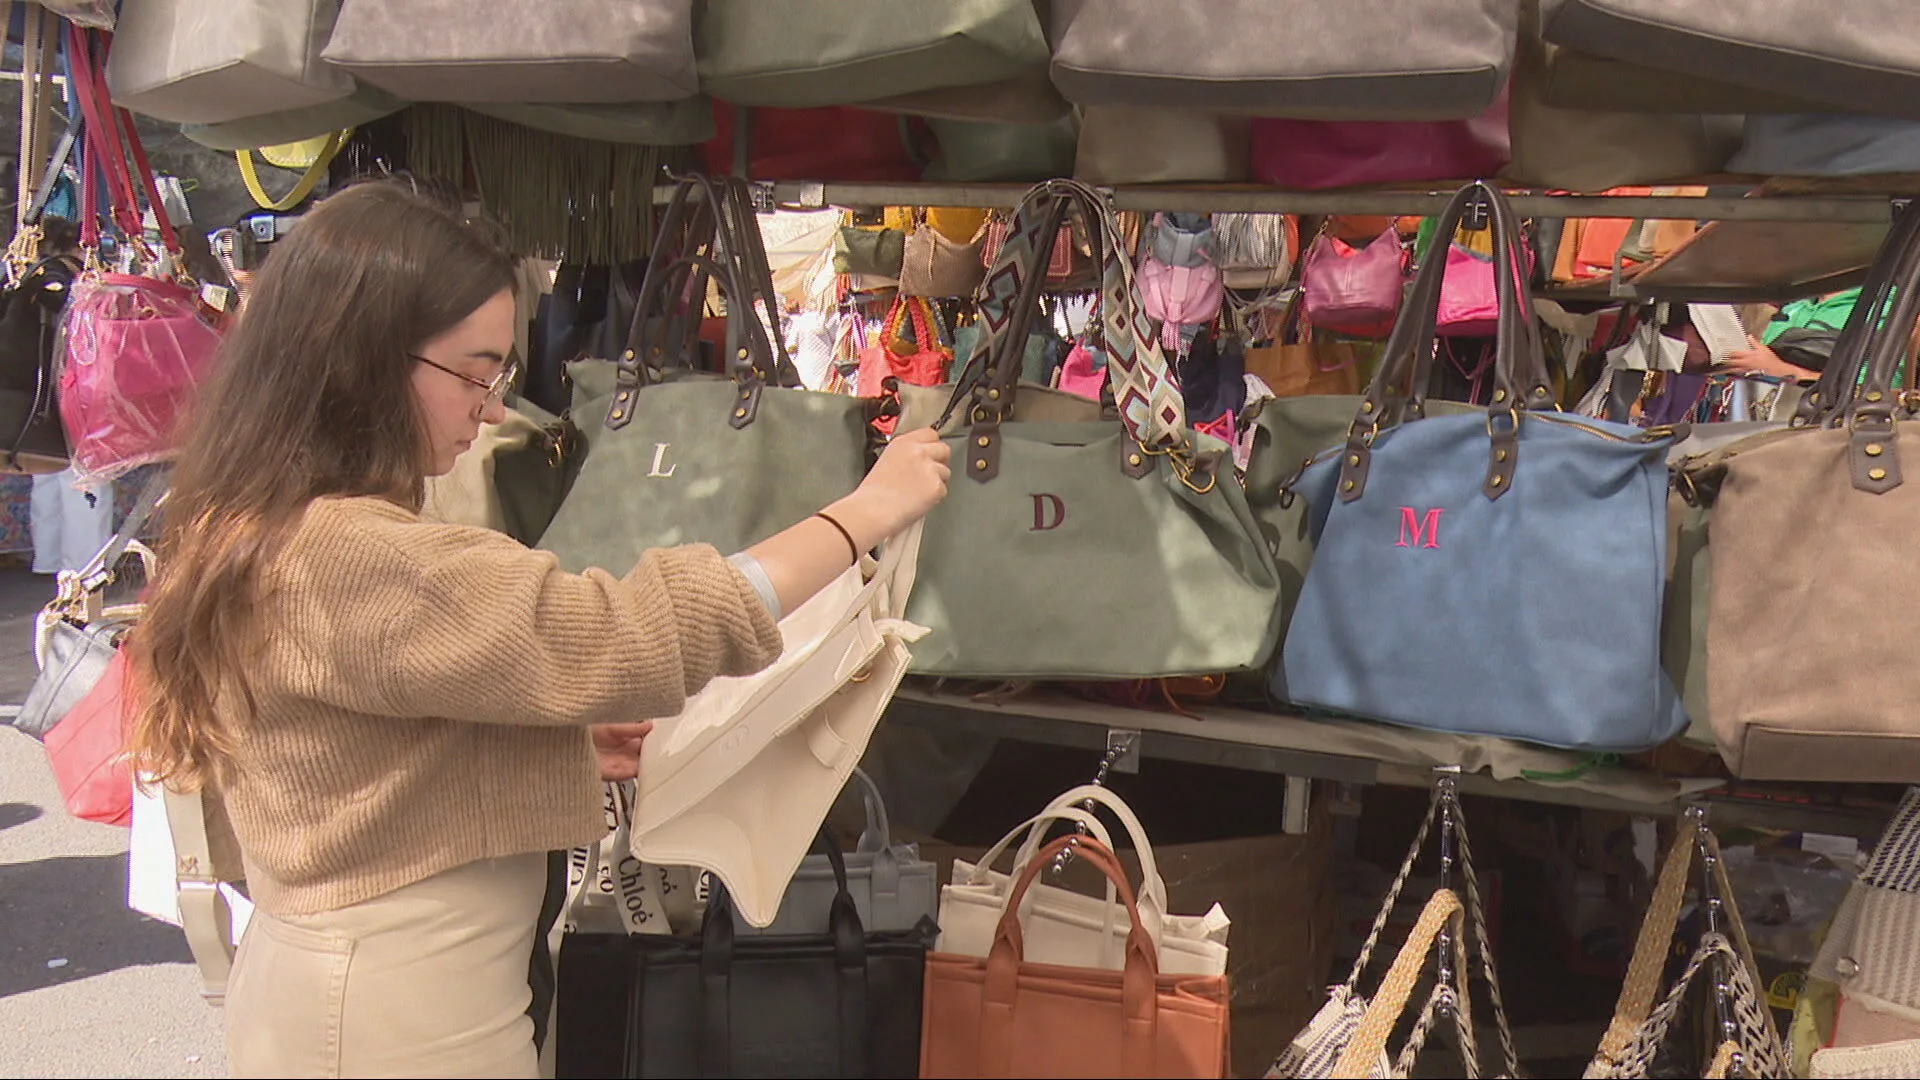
(1139, 1004)
(1873, 450)
(1839, 381)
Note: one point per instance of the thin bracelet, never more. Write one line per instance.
(844, 534)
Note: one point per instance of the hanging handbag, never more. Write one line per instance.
(1838, 456)
(933, 265)
(31, 437)
(799, 727)
(722, 460)
(1008, 1015)
(842, 1003)
(870, 253)
(76, 635)
(1255, 251)
(564, 51)
(810, 53)
(1313, 154)
(1864, 62)
(892, 887)
(1072, 928)
(1347, 1037)
(921, 360)
(1429, 511)
(135, 344)
(1469, 296)
(1351, 290)
(1034, 507)
(1746, 1042)
(1161, 146)
(212, 61)
(1332, 64)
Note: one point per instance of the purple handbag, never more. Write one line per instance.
(1354, 291)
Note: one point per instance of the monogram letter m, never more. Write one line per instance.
(1416, 531)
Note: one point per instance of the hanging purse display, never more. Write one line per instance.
(1333, 63)
(1348, 1036)
(560, 51)
(136, 344)
(933, 265)
(1007, 1015)
(1744, 1039)
(212, 61)
(893, 888)
(843, 1003)
(1424, 516)
(675, 458)
(1806, 523)
(1033, 508)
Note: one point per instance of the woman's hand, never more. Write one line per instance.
(1760, 360)
(618, 748)
(906, 483)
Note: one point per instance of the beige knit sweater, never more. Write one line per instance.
(423, 687)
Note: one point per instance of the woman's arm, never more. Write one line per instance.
(909, 480)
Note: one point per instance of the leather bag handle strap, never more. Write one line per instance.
(1839, 380)
(1140, 1004)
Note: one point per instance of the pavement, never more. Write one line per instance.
(88, 988)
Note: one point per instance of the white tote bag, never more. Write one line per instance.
(173, 876)
(740, 781)
(213, 61)
(1070, 928)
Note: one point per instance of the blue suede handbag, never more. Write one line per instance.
(1496, 574)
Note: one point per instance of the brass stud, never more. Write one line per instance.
(743, 354)
(1499, 455)
(1366, 406)
(1874, 449)
(1134, 460)
(628, 355)
(1874, 395)
(1876, 474)
(980, 463)
(1348, 486)
(994, 395)
(984, 441)
(1353, 459)
(656, 350)
(740, 414)
(1499, 395)
(1497, 481)
(618, 413)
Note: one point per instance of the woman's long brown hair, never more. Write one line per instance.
(312, 397)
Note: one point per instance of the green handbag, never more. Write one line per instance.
(873, 252)
(1002, 153)
(696, 458)
(803, 53)
(1085, 550)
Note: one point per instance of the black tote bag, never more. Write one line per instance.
(841, 1004)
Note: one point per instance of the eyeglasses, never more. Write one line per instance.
(495, 387)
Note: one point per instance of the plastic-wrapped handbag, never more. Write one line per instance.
(1747, 1043)
(1348, 1036)
(136, 345)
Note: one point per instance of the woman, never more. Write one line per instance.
(396, 712)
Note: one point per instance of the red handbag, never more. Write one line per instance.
(1312, 154)
(136, 344)
(88, 750)
(835, 143)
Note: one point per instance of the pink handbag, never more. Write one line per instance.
(1354, 291)
(1312, 154)
(1079, 376)
(1469, 300)
(136, 346)
(1179, 296)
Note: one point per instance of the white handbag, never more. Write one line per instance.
(1070, 928)
(740, 781)
(178, 875)
(211, 61)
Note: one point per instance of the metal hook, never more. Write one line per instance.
(1446, 791)
(1119, 745)
(1713, 910)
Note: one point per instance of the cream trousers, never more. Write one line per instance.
(426, 981)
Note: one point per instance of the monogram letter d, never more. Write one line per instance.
(1049, 512)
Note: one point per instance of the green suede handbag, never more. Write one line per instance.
(1106, 549)
(677, 457)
